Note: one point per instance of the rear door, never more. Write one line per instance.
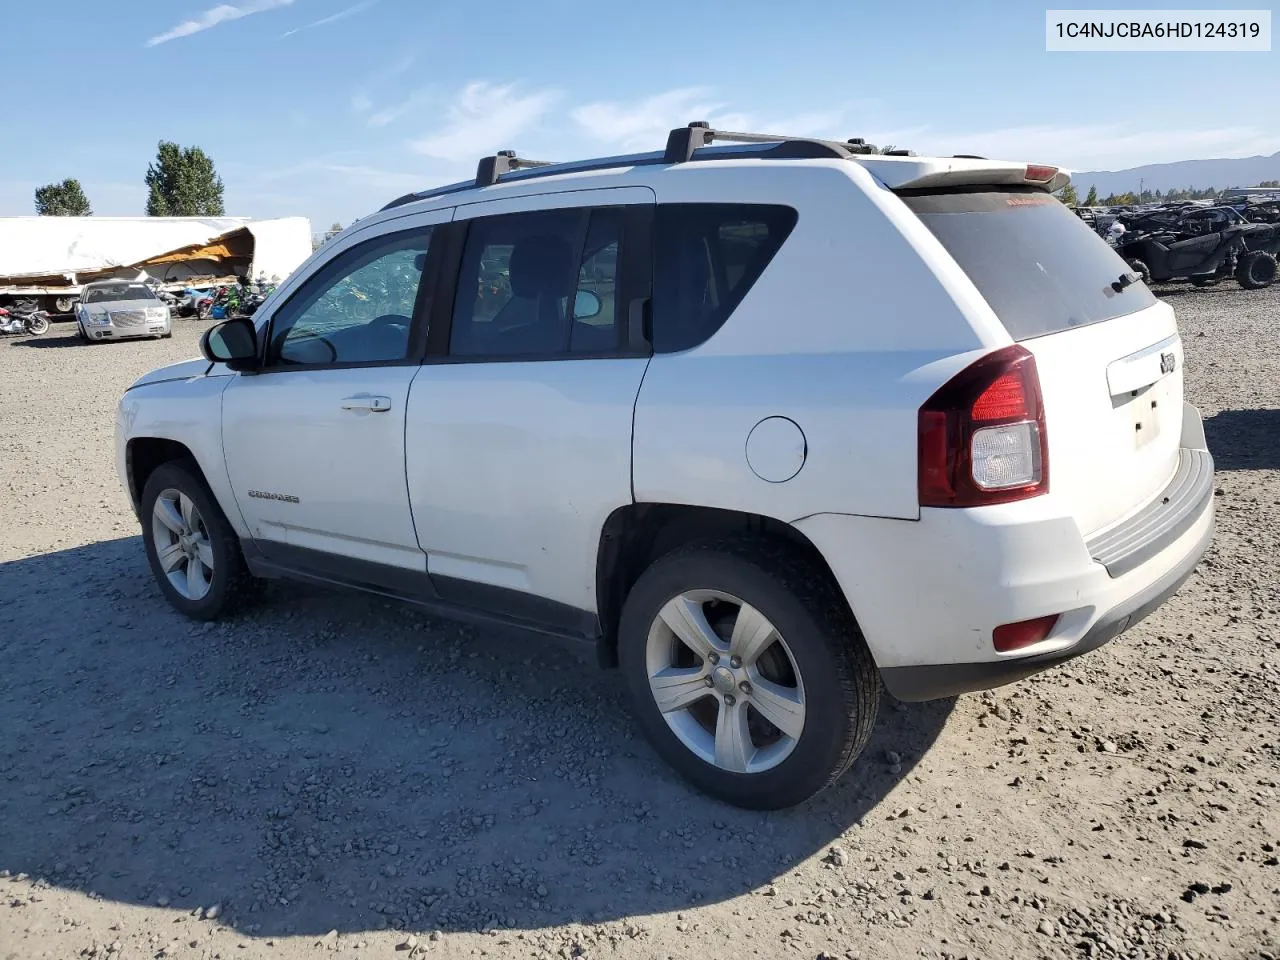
(1110, 360)
(518, 441)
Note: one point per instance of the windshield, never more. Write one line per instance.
(123, 291)
(1040, 267)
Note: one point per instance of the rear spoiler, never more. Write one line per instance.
(933, 173)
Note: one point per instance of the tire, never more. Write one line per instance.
(64, 305)
(38, 326)
(1141, 269)
(230, 587)
(1256, 270)
(80, 332)
(822, 661)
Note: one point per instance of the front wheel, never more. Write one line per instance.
(193, 551)
(37, 325)
(748, 673)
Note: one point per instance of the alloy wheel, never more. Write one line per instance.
(182, 545)
(725, 681)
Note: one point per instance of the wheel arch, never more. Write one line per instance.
(636, 535)
(144, 454)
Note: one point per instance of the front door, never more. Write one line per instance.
(314, 443)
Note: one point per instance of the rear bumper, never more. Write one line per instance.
(952, 679)
(928, 594)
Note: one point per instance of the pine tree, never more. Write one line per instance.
(1091, 200)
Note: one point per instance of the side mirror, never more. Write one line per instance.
(586, 305)
(233, 342)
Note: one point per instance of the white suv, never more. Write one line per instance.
(770, 423)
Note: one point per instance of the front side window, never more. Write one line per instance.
(707, 256)
(521, 273)
(356, 309)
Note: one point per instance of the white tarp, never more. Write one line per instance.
(57, 245)
(280, 246)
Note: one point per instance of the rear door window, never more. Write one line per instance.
(1039, 266)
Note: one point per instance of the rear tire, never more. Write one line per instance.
(1256, 269)
(812, 671)
(1141, 269)
(38, 326)
(222, 584)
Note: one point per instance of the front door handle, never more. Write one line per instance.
(371, 404)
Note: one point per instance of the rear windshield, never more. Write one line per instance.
(1039, 266)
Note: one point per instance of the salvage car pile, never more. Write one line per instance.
(1194, 242)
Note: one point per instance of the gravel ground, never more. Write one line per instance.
(336, 775)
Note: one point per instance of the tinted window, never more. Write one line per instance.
(1040, 268)
(596, 325)
(519, 274)
(357, 309)
(707, 256)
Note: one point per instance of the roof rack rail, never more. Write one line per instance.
(504, 161)
(683, 141)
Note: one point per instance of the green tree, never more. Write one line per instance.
(65, 199)
(183, 183)
(1091, 200)
(1068, 195)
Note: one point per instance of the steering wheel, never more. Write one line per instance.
(390, 320)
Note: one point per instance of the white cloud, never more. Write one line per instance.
(222, 13)
(360, 103)
(394, 112)
(643, 125)
(484, 118)
(332, 18)
(1098, 147)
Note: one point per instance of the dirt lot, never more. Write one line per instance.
(339, 776)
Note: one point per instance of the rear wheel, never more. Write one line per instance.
(1141, 269)
(64, 304)
(748, 673)
(37, 326)
(1256, 269)
(193, 551)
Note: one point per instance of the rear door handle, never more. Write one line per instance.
(372, 404)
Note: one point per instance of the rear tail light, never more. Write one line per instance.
(1016, 636)
(1040, 173)
(982, 436)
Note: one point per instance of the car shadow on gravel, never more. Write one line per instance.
(1244, 439)
(334, 761)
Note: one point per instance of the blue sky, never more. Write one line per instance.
(329, 108)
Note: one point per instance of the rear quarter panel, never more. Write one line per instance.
(849, 330)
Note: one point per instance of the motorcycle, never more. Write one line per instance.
(30, 321)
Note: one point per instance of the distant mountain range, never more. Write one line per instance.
(1242, 172)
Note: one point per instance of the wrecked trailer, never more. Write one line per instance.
(50, 259)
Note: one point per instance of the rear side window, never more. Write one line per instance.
(707, 256)
(1038, 265)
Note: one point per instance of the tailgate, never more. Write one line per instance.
(1113, 411)
(1107, 351)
